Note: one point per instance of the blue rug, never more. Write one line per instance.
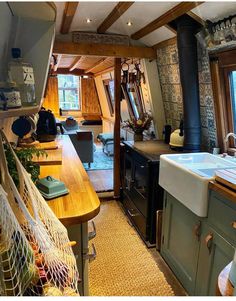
(100, 161)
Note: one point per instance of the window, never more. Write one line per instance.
(223, 69)
(133, 96)
(68, 92)
(109, 89)
(233, 96)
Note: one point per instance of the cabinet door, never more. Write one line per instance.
(215, 253)
(180, 241)
(140, 196)
(128, 170)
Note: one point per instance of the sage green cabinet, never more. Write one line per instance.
(197, 249)
(180, 241)
(215, 253)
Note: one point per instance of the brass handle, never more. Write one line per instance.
(233, 224)
(196, 230)
(208, 241)
(70, 244)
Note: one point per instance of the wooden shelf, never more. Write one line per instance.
(19, 112)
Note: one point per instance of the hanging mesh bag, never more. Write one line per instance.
(17, 261)
(54, 258)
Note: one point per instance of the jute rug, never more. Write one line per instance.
(124, 266)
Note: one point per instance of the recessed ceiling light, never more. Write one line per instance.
(88, 20)
(129, 23)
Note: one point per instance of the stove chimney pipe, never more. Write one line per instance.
(188, 65)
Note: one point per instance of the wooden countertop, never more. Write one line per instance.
(82, 202)
(221, 189)
(225, 288)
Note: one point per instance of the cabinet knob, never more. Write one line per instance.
(208, 241)
(233, 224)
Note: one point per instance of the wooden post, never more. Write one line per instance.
(117, 85)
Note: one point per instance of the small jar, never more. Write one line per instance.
(3, 103)
(12, 95)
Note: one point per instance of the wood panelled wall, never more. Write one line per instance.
(51, 100)
(90, 101)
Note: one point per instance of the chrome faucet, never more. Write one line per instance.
(226, 140)
(229, 135)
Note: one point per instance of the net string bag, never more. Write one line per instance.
(17, 261)
(54, 258)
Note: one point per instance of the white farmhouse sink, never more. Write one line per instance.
(228, 158)
(186, 177)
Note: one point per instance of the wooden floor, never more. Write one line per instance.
(102, 180)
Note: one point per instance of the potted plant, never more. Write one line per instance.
(25, 155)
(138, 126)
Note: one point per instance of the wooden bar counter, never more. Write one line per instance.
(75, 209)
(82, 203)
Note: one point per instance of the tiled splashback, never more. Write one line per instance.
(167, 61)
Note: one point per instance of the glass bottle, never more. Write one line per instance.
(22, 73)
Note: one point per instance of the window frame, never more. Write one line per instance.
(108, 95)
(138, 100)
(70, 89)
(222, 64)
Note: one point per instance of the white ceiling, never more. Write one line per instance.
(96, 11)
(140, 14)
(159, 35)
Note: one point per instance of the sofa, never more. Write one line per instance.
(94, 126)
(83, 144)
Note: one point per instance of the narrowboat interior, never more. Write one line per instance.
(118, 148)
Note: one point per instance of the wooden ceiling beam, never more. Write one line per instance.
(164, 19)
(68, 15)
(58, 62)
(100, 62)
(111, 50)
(75, 63)
(78, 72)
(114, 15)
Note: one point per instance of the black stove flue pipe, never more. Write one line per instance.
(188, 65)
